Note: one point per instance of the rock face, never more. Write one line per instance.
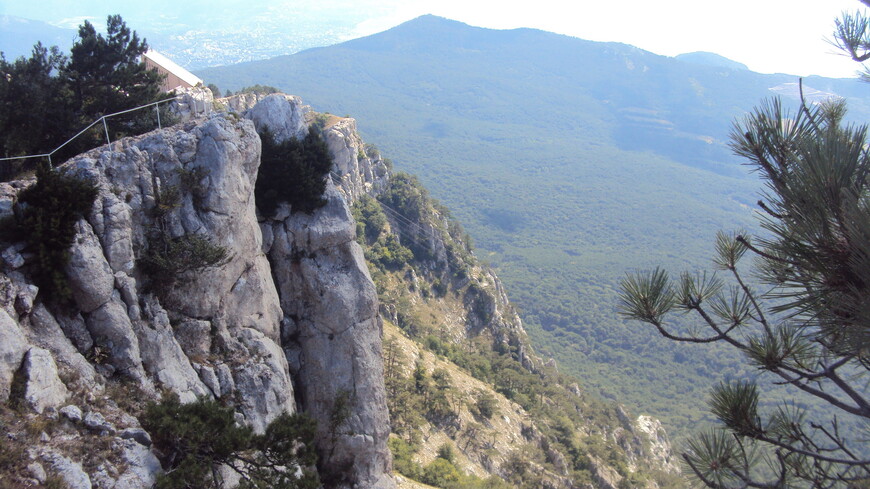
(279, 326)
(359, 168)
(660, 450)
(331, 331)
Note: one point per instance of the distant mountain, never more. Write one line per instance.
(711, 59)
(17, 36)
(570, 162)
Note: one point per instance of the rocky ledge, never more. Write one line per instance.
(287, 322)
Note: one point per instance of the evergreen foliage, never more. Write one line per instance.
(45, 218)
(383, 249)
(429, 396)
(258, 89)
(106, 75)
(34, 115)
(167, 258)
(810, 328)
(193, 440)
(49, 97)
(293, 172)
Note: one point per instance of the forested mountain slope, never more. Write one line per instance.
(569, 162)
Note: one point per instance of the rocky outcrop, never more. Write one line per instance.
(659, 451)
(192, 102)
(278, 326)
(359, 168)
(331, 331)
(333, 338)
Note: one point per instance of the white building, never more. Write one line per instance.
(176, 76)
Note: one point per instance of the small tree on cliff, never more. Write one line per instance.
(48, 97)
(105, 74)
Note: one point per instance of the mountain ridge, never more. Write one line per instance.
(569, 163)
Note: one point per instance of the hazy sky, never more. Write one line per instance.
(769, 36)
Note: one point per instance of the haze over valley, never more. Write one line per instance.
(424, 234)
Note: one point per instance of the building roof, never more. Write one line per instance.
(172, 67)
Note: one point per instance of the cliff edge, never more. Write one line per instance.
(287, 322)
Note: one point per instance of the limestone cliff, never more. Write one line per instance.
(284, 323)
(291, 320)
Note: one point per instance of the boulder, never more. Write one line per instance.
(113, 335)
(282, 115)
(13, 346)
(89, 274)
(71, 472)
(43, 388)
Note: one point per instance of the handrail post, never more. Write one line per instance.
(157, 109)
(106, 128)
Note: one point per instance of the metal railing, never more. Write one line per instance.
(106, 127)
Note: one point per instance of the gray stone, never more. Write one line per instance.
(660, 451)
(89, 274)
(263, 383)
(139, 435)
(71, 472)
(283, 115)
(72, 413)
(117, 233)
(12, 258)
(225, 377)
(96, 422)
(142, 467)
(192, 102)
(360, 173)
(127, 286)
(37, 471)
(46, 333)
(164, 359)
(74, 328)
(13, 346)
(25, 298)
(324, 283)
(209, 378)
(112, 331)
(194, 336)
(43, 388)
(8, 195)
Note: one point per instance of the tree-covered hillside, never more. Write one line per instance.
(569, 162)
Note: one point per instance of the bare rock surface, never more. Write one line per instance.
(43, 388)
(227, 331)
(88, 272)
(359, 168)
(13, 347)
(282, 115)
(326, 290)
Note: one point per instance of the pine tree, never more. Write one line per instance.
(810, 324)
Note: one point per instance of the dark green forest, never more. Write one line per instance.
(570, 163)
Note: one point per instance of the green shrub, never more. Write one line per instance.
(486, 405)
(167, 258)
(447, 452)
(370, 219)
(259, 89)
(192, 440)
(403, 459)
(292, 171)
(45, 218)
(389, 253)
(441, 473)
